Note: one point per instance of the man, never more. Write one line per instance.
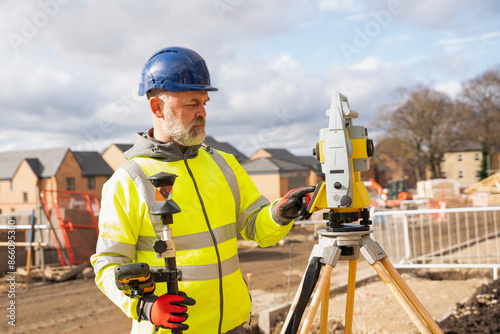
(217, 199)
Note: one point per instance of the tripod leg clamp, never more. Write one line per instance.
(371, 250)
(328, 254)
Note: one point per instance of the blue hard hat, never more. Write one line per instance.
(175, 69)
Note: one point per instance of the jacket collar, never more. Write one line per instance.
(147, 146)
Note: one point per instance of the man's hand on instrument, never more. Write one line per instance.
(294, 203)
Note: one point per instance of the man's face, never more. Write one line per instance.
(184, 117)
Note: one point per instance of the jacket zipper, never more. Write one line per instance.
(214, 240)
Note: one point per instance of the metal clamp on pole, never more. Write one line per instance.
(165, 207)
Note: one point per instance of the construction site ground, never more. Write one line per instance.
(77, 306)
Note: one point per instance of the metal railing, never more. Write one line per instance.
(440, 238)
(437, 238)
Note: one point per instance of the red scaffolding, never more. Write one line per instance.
(76, 214)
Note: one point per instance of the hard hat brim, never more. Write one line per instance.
(175, 87)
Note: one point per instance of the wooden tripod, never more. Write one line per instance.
(333, 246)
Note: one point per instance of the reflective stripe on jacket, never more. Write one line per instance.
(217, 199)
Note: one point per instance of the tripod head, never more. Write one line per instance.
(344, 151)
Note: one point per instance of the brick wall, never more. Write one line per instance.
(268, 185)
(22, 194)
(114, 157)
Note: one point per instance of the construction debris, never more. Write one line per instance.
(485, 192)
(439, 190)
(54, 273)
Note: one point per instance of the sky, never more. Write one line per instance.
(70, 69)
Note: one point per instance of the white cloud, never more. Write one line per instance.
(443, 15)
(370, 63)
(471, 39)
(369, 84)
(450, 65)
(340, 5)
(74, 80)
(452, 88)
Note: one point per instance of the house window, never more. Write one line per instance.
(459, 157)
(460, 174)
(476, 156)
(91, 182)
(25, 197)
(11, 185)
(70, 183)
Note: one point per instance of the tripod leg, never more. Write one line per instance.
(351, 285)
(308, 283)
(293, 306)
(410, 295)
(407, 307)
(316, 298)
(324, 309)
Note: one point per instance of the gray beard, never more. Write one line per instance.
(184, 136)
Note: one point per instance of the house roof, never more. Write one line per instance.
(271, 166)
(282, 153)
(312, 162)
(92, 164)
(225, 147)
(35, 166)
(309, 161)
(470, 146)
(466, 146)
(44, 163)
(124, 147)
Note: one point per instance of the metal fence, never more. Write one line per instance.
(440, 238)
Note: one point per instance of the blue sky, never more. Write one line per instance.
(70, 69)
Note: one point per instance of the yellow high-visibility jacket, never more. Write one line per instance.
(217, 199)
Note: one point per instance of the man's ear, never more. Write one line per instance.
(156, 104)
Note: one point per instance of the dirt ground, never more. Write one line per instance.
(77, 306)
(478, 315)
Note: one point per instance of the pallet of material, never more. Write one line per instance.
(488, 190)
(54, 273)
(489, 185)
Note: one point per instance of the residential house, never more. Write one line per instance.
(276, 171)
(95, 172)
(113, 155)
(24, 173)
(310, 161)
(463, 163)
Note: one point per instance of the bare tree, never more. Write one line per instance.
(401, 155)
(479, 105)
(423, 122)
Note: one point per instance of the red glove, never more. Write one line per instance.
(295, 202)
(169, 311)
